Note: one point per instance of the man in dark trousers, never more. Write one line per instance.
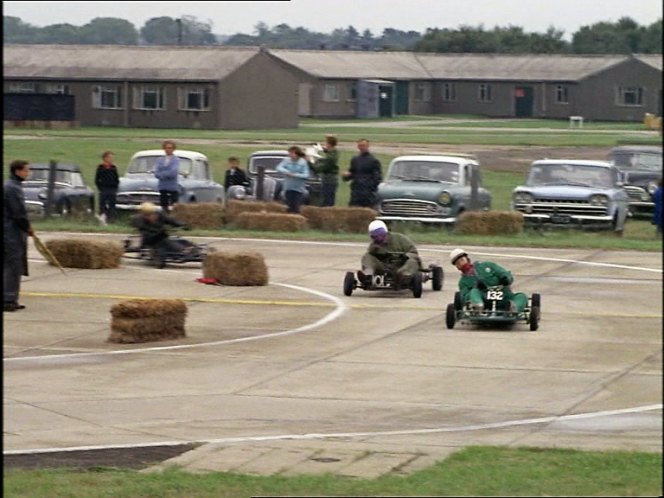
(17, 228)
(365, 174)
(107, 182)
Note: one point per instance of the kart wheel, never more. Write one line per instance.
(458, 304)
(450, 316)
(536, 300)
(349, 283)
(417, 284)
(437, 278)
(533, 320)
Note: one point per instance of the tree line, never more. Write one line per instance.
(622, 37)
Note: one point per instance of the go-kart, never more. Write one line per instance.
(186, 252)
(388, 280)
(496, 310)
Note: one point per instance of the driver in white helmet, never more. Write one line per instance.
(477, 277)
(389, 251)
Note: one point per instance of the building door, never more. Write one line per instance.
(386, 101)
(523, 101)
(401, 103)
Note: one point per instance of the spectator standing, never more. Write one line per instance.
(16, 229)
(167, 169)
(657, 213)
(365, 174)
(328, 168)
(234, 174)
(107, 181)
(296, 172)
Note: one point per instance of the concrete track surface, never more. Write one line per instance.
(295, 378)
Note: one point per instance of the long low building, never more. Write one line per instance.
(256, 88)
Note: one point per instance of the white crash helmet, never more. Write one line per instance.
(456, 254)
(376, 224)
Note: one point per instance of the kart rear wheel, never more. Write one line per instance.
(450, 316)
(349, 283)
(536, 300)
(533, 319)
(437, 278)
(417, 284)
(458, 304)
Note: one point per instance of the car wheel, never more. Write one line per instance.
(417, 284)
(450, 316)
(349, 283)
(536, 300)
(533, 319)
(458, 304)
(437, 278)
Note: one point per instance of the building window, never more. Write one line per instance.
(331, 92)
(107, 97)
(22, 88)
(484, 93)
(449, 92)
(629, 96)
(57, 88)
(352, 92)
(149, 97)
(562, 94)
(422, 92)
(195, 98)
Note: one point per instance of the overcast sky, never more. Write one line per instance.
(230, 17)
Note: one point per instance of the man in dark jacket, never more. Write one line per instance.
(152, 224)
(234, 174)
(17, 228)
(107, 182)
(365, 174)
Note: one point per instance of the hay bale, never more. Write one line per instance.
(339, 219)
(200, 215)
(276, 222)
(314, 215)
(145, 320)
(234, 208)
(236, 268)
(490, 222)
(89, 254)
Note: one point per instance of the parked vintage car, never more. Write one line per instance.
(573, 194)
(641, 166)
(71, 195)
(139, 184)
(272, 187)
(430, 189)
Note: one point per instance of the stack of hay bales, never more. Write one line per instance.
(236, 268)
(339, 219)
(490, 222)
(145, 320)
(276, 222)
(234, 208)
(200, 215)
(89, 254)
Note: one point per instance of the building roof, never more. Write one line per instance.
(654, 60)
(120, 62)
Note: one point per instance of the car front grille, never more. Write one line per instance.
(406, 207)
(572, 208)
(138, 197)
(637, 193)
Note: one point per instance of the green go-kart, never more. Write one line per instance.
(496, 310)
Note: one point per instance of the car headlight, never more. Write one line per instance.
(523, 198)
(599, 200)
(651, 187)
(445, 199)
(42, 194)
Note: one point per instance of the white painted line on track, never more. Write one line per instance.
(403, 432)
(340, 309)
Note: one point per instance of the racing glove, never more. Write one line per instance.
(481, 285)
(504, 280)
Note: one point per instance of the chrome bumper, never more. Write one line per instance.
(418, 219)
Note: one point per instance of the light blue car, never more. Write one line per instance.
(573, 194)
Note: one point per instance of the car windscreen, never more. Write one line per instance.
(269, 163)
(571, 174)
(636, 160)
(427, 171)
(41, 175)
(144, 165)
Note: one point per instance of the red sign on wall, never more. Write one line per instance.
(519, 92)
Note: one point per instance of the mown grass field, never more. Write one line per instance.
(475, 471)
